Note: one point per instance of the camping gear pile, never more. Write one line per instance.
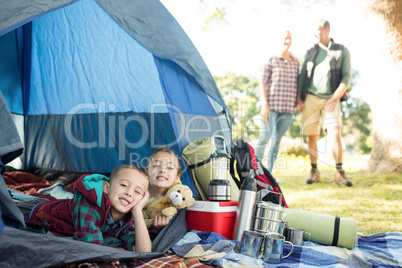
(265, 237)
(210, 165)
(266, 212)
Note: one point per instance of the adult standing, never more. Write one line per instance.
(278, 90)
(325, 77)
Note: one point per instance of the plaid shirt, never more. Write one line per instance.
(88, 226)
(280, 78)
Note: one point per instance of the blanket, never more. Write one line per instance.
(167, 260)
(377, 250)
(24, 182)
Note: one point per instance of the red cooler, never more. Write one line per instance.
(211, 216)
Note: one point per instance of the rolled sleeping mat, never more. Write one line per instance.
(324, 229)
(204, 196)
(196, 155)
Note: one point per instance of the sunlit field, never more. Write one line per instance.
(374, 201)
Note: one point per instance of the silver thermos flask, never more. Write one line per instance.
(245, 208)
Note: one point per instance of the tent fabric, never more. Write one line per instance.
(10, 142)
(101, 83)
(17, 247)
(159, 33)
(10, 148)
(92, 84)
(147, 21)
(10, 214)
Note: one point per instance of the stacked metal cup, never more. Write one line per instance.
(268, 217)
(268, 227)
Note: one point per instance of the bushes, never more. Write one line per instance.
(291, 146)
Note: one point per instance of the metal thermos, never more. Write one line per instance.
(245, 208)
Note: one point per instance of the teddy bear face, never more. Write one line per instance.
(181, 196)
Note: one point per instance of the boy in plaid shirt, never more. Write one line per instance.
(102, 207)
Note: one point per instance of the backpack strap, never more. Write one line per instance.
(309, 61)
(264, 185)
(232, 167)
(196, 165)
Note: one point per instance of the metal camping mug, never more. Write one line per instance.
(251, 244)
(266, 225)
(296, 236)
(269, 210)
(273, 248)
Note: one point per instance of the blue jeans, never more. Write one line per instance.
(275, 127)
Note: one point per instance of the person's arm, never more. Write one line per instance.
(334, 100)
(264, 102)
(142, 239)
(300, 83)
(264, 85)
(86, 221)
(344, 84)
(299, 103)
(160, 221)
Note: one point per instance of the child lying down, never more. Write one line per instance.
(102, 207)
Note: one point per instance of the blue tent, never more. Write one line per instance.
(93, 84)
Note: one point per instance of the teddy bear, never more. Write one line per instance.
(178, 196)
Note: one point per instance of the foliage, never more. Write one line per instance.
(218, 17)
(217, 12)
(294, 147)
(241, 96)
(295, 127)
(357, 116)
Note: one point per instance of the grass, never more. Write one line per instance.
(374, 201)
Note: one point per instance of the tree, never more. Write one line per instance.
(357, 124)
(386, 155)
(241, 96)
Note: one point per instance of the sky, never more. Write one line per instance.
(255, 28)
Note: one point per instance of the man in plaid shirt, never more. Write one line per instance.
(278, 91)
(101, 208)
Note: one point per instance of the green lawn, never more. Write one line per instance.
(374, 201)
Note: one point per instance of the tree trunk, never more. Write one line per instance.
(386, 155)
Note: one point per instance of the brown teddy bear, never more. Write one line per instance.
(178, 196)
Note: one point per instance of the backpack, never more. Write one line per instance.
(247, 165)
